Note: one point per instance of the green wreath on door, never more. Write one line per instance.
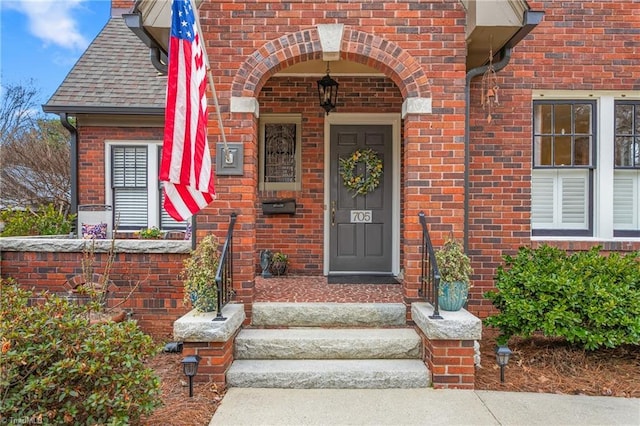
(361, 184)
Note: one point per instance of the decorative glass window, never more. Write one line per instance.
(563, 155)
(626, 182)
(280, 152)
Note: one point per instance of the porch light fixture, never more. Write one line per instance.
(327, 92)
(502, 357)
(190, 368)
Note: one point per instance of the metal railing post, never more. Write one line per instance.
(224, 274)
(430, 273)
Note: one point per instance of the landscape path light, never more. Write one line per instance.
(502, 357)
(190, 369)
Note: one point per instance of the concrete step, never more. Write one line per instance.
(329, 374)
(285, 314)
(328, 343)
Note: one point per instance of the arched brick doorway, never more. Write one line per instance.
(390, 59)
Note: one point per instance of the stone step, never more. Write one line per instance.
(328, 343)
(285, 314)
(329, 374)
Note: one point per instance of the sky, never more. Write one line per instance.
(41, 40)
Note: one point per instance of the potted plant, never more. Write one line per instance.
(455, 268)
(279, 263)
(153, 233)
(199, 275)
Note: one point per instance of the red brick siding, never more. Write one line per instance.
(419, 46)
(301, 236)
(156, 302)
(91, 152)
(586, 45)
(216, 358)
(450, 362)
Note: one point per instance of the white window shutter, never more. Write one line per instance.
(131, 207)
(626, 200)
(574, 209)
(542, 199)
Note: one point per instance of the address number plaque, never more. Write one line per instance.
(360, 216)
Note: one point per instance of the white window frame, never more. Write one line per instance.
(285, 119)
(603, 179)
(153, 195)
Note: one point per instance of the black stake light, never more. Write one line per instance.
(502, 357)
(328, 92)
(190, 368)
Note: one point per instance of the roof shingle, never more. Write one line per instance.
(115, 72)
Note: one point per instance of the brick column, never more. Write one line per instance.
(448, 345)
(211, 340)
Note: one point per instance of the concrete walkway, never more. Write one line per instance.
(251, 406)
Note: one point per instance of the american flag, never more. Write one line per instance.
(185, 168)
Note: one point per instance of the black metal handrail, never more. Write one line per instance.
(224, 275)
(430, 274)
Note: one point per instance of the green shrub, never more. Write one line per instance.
(47, 220)
(589, 299)
(57, 368)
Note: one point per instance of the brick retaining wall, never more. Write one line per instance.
(152, 266)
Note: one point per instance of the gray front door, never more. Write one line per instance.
(360, 226)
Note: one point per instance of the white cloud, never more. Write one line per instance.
(53, 21)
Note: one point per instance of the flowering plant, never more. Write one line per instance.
(361, 183)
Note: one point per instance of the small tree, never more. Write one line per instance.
(35, 154)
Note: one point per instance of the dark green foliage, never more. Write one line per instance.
(587, 298)
(58, 368)
(45, 221)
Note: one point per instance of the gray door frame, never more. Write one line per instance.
(363, 119)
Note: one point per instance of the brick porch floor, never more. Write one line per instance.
(316, 289)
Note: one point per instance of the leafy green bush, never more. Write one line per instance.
(199, 275)
(47, 220)
(589, 299)
(59, 368)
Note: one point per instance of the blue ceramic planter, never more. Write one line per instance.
(453, 296)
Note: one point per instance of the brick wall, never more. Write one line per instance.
(301, 236)
(419, 46)
(91, 152)
(585, 45)
(156, 301)
(450, 362)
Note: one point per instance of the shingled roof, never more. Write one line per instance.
(114, 75)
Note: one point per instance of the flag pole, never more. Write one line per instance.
(227, 153)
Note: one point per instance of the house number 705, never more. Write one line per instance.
(360, 216)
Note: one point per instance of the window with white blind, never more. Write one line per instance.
(626, 183)
(586, 165)
(129, 185)
(135, 191)
(563, 145)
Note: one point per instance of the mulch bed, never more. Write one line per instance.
(178, 409)
(552, 366)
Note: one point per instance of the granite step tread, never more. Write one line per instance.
(328, 374)
(324, 343)
(291, 314)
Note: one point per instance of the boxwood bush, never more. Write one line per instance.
(587, 298)
(57, 368)
(46, 220)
